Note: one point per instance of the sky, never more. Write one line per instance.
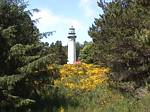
(60, 15)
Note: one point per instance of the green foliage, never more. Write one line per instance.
(102, 99)
(59, 51)
(24, 77)
(121, 39)
(86, 54)
(79, 47)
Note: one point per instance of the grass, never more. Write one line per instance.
(104, 99)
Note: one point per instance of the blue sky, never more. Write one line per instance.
(60, 15)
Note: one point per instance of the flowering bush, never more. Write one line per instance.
(81, 77)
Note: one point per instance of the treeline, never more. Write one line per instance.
(83, 52)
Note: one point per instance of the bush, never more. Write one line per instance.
(81, 77)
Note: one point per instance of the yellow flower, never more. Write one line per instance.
(84, 77)
(61, 109)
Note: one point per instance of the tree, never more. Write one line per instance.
(23, 59)
(59, 51)
(78, 50)
(121, 37)
(86, 54)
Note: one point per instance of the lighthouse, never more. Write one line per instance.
(71, 45)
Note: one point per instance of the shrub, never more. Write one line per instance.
(81, 77)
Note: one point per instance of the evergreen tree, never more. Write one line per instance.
(59, 51)
(121, 37)
(23, 59)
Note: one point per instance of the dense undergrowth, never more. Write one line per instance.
(70, 94)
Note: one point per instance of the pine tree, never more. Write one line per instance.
(121, 37)
(23, 58)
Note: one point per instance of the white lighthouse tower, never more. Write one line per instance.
(71, 46)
